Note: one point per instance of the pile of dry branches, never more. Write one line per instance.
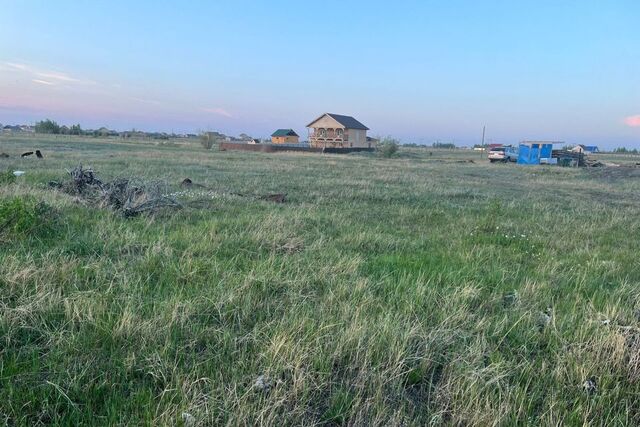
(130, 196)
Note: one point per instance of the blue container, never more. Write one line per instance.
(530, 153)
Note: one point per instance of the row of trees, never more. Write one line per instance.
(50, 127)
(447, 145)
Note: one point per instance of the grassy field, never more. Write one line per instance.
(418, 290)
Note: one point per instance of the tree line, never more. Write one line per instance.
(51, 127)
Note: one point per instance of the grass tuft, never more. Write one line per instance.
(22, 217)
(7, 177)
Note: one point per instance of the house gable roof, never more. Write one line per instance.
(284, 132)
(346, 121)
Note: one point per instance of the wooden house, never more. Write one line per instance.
(285, 136)
(335, 130)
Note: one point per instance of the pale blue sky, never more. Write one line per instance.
(418, 70)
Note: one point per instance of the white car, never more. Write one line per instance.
(497, 154)
(503, 154)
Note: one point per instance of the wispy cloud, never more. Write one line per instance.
(219, 111)
(43, 82)
(42, 75)
(16, 66)
(145, 101)
(633, 121)
(58, 76)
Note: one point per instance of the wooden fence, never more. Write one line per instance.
(273, 148)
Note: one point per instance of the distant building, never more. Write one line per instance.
(372, 142)
(253, 141)
(9, 128)
(285, 136)
(335, 130)
(592, 148)
(585, 149)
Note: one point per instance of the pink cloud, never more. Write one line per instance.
(633, 121)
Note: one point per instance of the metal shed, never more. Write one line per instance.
(531, 153)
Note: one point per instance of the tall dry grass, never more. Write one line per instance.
(406, 291)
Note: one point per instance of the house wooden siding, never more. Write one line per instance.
(327, 122)
(285, 136)
(357, 138)
(326, 131)
(285, 139)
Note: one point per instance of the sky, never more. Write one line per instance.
(421, 71)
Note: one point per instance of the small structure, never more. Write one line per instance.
(285, 136)
(535, 152)
(372, 142)
(253, 141)
(585, 149)
(569, 158)
(338, 131)
(9, 129)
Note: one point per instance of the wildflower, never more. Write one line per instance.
(188, 419)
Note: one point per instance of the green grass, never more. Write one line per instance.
(402, 291)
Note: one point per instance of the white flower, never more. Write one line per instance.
(188, 419)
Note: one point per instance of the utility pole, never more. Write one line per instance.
(484, 128)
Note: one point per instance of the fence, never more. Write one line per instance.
(273, 148)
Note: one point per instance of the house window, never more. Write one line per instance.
(339, 133)
(322, 133)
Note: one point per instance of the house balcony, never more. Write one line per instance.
(328, 139)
